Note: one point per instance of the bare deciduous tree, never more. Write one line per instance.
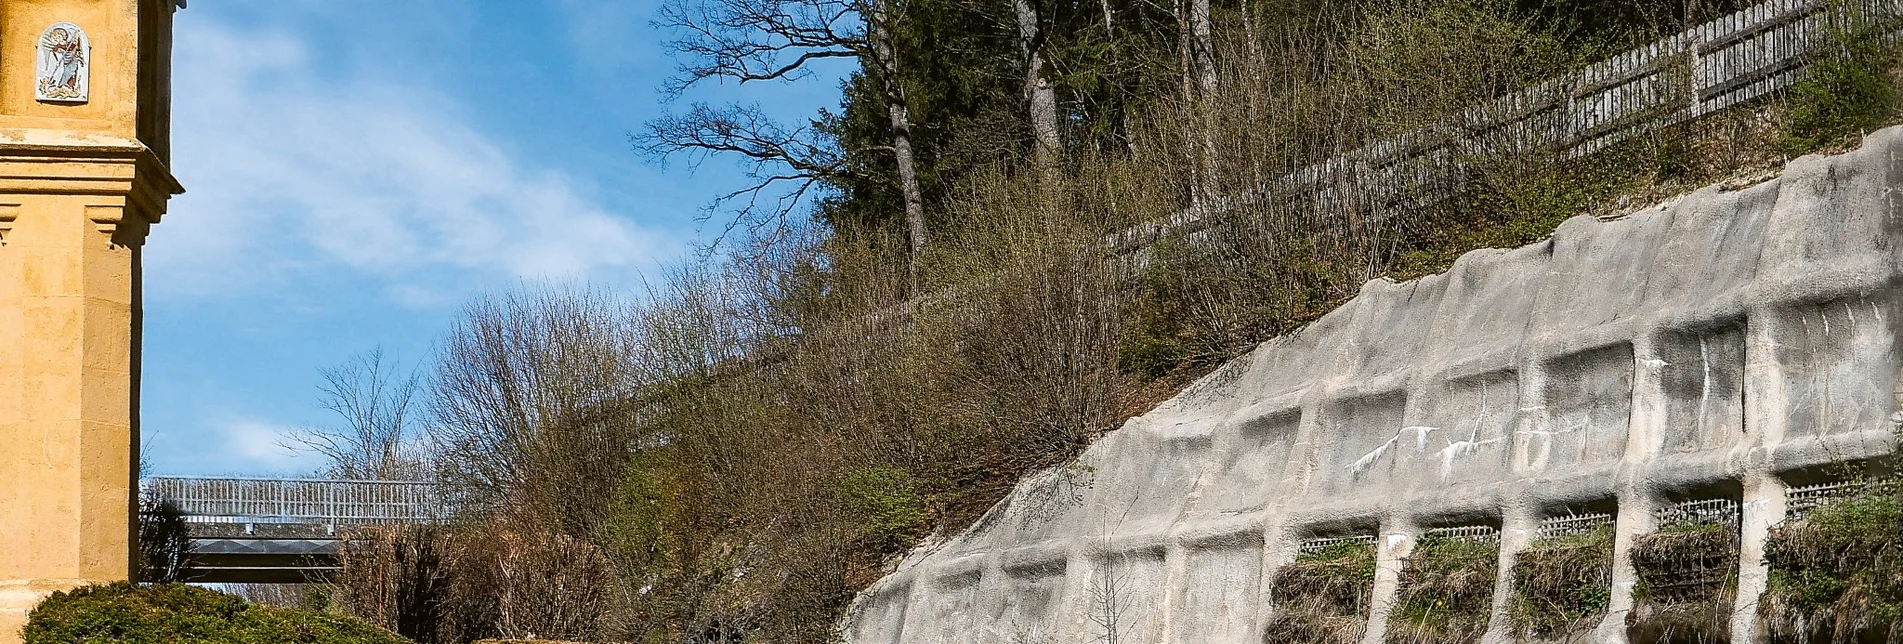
(1109, 602)
(779, 40)
(376, 441)
(534, 400)
(777, 154)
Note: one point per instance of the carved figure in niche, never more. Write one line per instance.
(64, 63)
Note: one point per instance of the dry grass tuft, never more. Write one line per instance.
(1837, 575)
(1561, 586)
(1688, 578)
(1446, 591)
(1322, 598)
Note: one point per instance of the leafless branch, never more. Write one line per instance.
(375, 440)
(776, 155)
(758, 40)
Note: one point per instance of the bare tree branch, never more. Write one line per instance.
(756, 40)
(778, 40)
(373, 400)
(774, 154)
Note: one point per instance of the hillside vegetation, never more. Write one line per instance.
(918, 308)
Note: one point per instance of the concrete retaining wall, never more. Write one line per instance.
(1716, 344)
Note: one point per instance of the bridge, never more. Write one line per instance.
(259, 530)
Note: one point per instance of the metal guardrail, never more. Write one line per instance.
(1705, 69)
(307, 501)
(1572, 525)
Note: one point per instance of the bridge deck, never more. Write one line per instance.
(253, 530)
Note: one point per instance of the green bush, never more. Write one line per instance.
(886, 499)
(1845, 94)
(1837, 575)
(125, 613)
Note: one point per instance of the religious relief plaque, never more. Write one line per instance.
(64, 63)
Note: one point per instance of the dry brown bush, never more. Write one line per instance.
(398, 578)
(533, 405)
(550, 585)
(436, 584)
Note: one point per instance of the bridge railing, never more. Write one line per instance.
(309, 501)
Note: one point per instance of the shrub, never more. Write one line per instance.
(551, 585)
(396, 577)
(1836, 575)
(1323, 597)
(1562, 585)
(125, 613)
(887, 501)
(1845, 94)
(444, 585)
(1446, 591)
(163, 539)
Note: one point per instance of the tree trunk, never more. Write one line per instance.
(1256, 91)
(1115, 110)
(1039, 94)
(1198, 66)
(908, 172)
(1202, 48)
(888, 66)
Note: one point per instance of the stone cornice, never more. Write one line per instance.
(38, 161)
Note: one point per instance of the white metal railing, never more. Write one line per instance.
(1700, 71)
(1721, 511)
(1473, 532)
(310, 501)
(1573, 524)
(1312, 546)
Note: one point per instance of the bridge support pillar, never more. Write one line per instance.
(84, 120)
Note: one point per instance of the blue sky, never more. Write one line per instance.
(357, 170)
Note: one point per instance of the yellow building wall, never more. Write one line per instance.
(79, 187)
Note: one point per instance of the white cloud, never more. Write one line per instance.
(255, 446)
(293, 174)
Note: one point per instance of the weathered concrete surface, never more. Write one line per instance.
(1721, 341)
(79, 186)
